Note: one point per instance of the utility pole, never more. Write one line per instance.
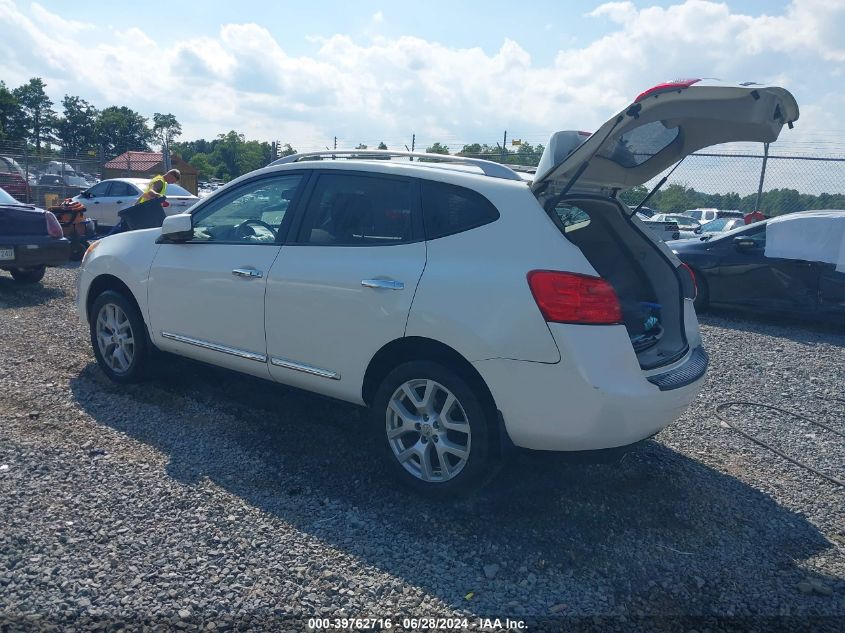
(335, 142)
(413, 144)
(762, 176)
(504, 146)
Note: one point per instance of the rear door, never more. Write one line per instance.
(342, 288)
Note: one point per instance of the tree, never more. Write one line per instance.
(203, 164)
(77, 129)
(120, 129)
(287, 150)
(361, 146)
(35, 114)
(225, 156)
(166, 128)
(8, 110)
(437, 148)
(381, 145)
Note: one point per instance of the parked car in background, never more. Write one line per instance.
(30, 240)
(104, 200)
(707, 215)
(793, 264)
(13, 179)
(687, 226)
(719, 225)
(664, 229)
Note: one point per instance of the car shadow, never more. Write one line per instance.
(16, 295)
(641, 536)
(792, 328)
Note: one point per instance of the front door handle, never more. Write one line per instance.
(250, 273)
(388, 284)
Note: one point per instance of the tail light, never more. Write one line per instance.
(668, 86)
(164, 204)
(689, 283)
(54, 229)
(573, 298)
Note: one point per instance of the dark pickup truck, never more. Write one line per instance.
(30, 240)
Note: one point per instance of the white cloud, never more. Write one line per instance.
(379, 88)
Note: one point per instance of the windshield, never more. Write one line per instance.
(751, 228)
(718, 224)
(5, 198)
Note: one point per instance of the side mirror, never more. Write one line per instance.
(744, 243)
(177, 228)
(698, 229)
(87, 194)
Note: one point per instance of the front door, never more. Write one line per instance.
(206, 296)
(342, 288)
(747, 277)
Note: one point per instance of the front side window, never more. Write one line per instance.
(358, 210)
(250, 214)
(449, 209)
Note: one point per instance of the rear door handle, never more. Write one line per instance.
(250, 273)
(388, 284)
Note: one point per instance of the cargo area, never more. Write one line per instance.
(645, 281)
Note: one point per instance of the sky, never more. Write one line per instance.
(449, 71)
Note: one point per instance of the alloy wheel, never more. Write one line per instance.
(115, 338)
(428, 430)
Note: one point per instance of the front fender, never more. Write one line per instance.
(125, 256)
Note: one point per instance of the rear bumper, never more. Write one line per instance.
(596, 397)
(35, 251)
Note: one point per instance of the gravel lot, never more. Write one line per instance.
(207, 499)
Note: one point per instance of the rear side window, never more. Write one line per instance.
(357, 210)
(449, 209)
(122, 189)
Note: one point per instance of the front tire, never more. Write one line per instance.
(433, 429)
(119, 338)
(30, 275)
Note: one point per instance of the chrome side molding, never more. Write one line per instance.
(307, 369)
(215, 347)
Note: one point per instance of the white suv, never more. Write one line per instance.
(468, 308)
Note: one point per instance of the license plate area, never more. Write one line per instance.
(7, 253)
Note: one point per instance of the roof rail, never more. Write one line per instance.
(495, 170)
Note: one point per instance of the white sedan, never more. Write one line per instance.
(104, 200)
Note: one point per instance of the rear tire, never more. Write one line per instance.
(119, 338)
(433, 430)
(30, 275)
(702, 297)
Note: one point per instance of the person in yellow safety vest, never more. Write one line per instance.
(158, 185)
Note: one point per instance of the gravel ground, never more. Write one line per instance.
(208, 499)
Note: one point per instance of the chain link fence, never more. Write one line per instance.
(727, 180)
(46, 178)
